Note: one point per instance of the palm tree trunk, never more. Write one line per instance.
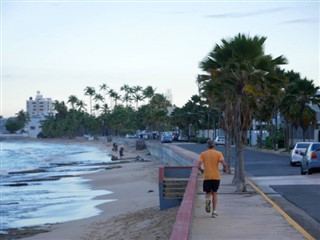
(239, 177)
(228, 151)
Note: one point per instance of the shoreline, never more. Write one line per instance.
(133, 212)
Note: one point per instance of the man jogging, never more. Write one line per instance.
(211, 159)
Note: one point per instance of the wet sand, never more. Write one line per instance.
(133, 212)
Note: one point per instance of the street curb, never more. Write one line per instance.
(282, 213)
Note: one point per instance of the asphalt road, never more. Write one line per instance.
(298, 195)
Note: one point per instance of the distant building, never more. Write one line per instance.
(39, 106)
(38, 110)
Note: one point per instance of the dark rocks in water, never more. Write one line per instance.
(29, 171)
(112, 167)
(49, 178)
(8, 203)
(66, 164)
(114, 158)
(129, 160)
(19, 233)
(16, 184)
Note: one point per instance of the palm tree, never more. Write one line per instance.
(158, 112)
(137, 97)
(98, 97)
(243, 67)
(104, 88)
(127, 93)
(136, 94)
(90, 91)
(297, 103)
(61, 109)
(72, 100)
(96, 107)
(81, 105)
(114, 96)
(149, 92)
(105, 109)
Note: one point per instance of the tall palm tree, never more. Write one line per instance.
(137, 98)
(149, 92)
(114, 96)
(81, 105)
(105, 108)
(136, 94)
(90, 91)
(96, 107)
(61, 109)
(297, 103)
(111, 93)
(158, 111)
(98, 97)
(104, 87)
(243, 67)
(127, 93)
(72, 100)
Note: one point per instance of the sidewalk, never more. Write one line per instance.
(241, 216)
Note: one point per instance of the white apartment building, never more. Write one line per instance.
(39, 106)
(37, 109)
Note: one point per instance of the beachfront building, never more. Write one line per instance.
(38, 110)
(39, 105)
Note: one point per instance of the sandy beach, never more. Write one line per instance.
(133, 211)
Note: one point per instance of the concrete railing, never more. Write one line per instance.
(169, 154)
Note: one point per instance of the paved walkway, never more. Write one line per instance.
(241, 216)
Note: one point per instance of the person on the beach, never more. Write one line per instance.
(211, 159)
(114, 147)
(121, 152)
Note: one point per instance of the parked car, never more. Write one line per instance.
(310, 162)
(220, 140)
(166, 138)
(183, 138)
(297, 152)
(131, 136)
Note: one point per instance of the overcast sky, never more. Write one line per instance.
(61, 47)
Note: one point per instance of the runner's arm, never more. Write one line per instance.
(199, 167)
(223, 162)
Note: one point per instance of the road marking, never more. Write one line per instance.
(283, 213)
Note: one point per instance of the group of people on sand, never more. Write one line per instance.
(115, 149)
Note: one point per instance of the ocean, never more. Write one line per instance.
(54, 191)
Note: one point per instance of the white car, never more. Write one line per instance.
(310, 162)
(297, 152)
(220, 140)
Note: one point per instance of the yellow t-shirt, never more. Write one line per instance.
(211, 159)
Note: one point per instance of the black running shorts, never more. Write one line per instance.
(210, 186)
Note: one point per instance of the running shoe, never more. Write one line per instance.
(214, 214)
(208, 207)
